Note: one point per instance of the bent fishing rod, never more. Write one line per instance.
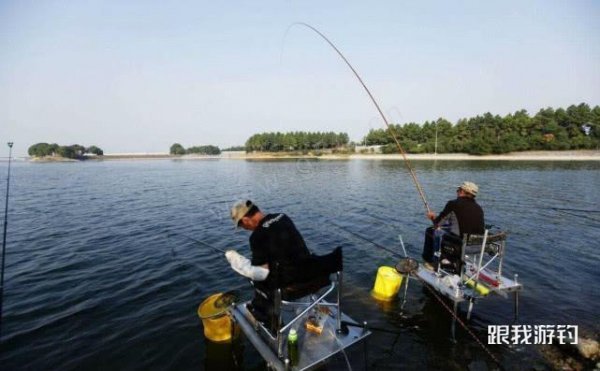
(10, 145)
(388, 126)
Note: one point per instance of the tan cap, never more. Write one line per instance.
(469, 187)
(239, 210)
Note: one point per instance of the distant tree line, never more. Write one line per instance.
(235, 148)
(178, 149)
(577, 127)
(298, 140)
(74, 151)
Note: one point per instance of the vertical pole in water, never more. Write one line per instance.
(470, 309)
(339, 302)
(366, 351)
(454, 321)
(516, 294)
(406, 278)
(10, 144)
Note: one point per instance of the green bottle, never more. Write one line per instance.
(293, 347)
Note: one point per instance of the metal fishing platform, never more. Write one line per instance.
(314, 347)
(480, 275)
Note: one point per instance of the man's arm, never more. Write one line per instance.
(447, 210)
(242, 265)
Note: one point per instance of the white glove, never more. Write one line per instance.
(243, 266)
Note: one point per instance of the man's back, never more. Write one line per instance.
(278, 243)
(468, 214)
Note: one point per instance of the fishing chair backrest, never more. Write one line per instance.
(495, 243)
(316, 275)
(481, 250)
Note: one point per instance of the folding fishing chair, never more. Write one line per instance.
(313, 292)
(478, 252)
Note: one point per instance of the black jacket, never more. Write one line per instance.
(464, 212)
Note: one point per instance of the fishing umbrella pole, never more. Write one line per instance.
(390, 129)
(10, 145)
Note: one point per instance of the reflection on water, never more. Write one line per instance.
(226, 356)
(95, 279)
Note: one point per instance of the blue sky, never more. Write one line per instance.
(137, 76)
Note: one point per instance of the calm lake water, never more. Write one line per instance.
(94, 279)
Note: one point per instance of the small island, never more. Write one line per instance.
(55, 153)
(178, 150)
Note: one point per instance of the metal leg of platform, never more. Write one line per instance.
(470, 309)
(366, 350)
(278, 314)
(407, 278)
(339, 302)
(516, 296)
(454, 321)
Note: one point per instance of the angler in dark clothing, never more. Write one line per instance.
(277, 242)
(459, 217)
(279, 255)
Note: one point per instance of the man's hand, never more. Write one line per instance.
(430, 215)
(242, 265)
(231, 255)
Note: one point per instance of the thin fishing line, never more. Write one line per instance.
(577, 210)
(334, 335)
(370, 328)
(579, 215)
(459, 320)
(196, 241)
(10, 145)
(366, 240)
(389, 127)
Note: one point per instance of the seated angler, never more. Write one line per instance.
(459, 217)
(276, 245)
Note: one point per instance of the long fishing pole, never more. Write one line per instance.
(199, 242)
(389, 127)
(10, 145)
(367, 240)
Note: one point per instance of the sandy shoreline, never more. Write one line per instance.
(581, 155)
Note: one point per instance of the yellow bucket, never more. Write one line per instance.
(387, 283)
(216, 319)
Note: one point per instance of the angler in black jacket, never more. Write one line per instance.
(459, 217)
(280, 258)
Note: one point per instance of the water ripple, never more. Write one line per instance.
(99, 276)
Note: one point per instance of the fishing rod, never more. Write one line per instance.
(199, 242)
(10, 145)
(577, 210)
(369, 327)
(389, 127)
(366, 240)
